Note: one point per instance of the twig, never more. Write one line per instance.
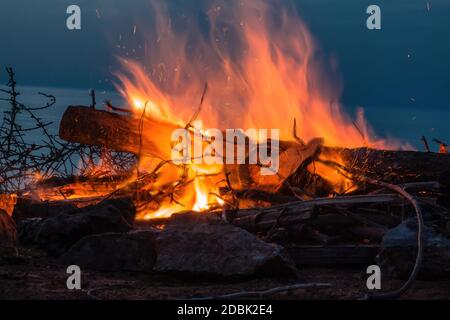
(296, 137)
(93, 102)
(246, 294)
(360, 132)
(22, 156)
(425, 144)
(200, 106)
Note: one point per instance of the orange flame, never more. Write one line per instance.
(262, 72)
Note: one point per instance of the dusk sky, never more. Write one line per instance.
(406, 65)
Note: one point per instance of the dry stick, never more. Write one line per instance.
(141, 129)
(199, 109)
(114, 108)
(410, 198)
(360, 132)
(244, 294)
(296, 137)
(425, 144)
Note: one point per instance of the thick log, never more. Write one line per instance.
(117, 132)
(144, 136)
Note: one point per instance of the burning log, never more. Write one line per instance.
(117, 132)
(89, 126)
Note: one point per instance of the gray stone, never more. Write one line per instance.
(57, 234)
(133, 251)
(28, 229)
(26, 208)
(399, 250)
(204, 245)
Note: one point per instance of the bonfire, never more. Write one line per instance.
(337, 190)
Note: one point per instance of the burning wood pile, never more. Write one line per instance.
(107, 193)
(326, 206)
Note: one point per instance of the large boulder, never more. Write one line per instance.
(57, 234)
(133, 251)
(8, 232)
(26, 208)
(204, 245)
(28, 229)
(399, 251)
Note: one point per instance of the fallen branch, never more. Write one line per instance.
(260, 294)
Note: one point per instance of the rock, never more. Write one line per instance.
(8, 255)
(204, 245)
(27, 208)
(57, 234)
(443, 201)
(444, 182)
(399, 250)
(133, 251)
(28, 230)
(8, 231)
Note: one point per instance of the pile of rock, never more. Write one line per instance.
(102, 237)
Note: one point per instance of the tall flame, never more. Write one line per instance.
(262, 69)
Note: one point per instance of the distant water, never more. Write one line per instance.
(408, 126)
(64, 98)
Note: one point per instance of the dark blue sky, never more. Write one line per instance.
(374, 65)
